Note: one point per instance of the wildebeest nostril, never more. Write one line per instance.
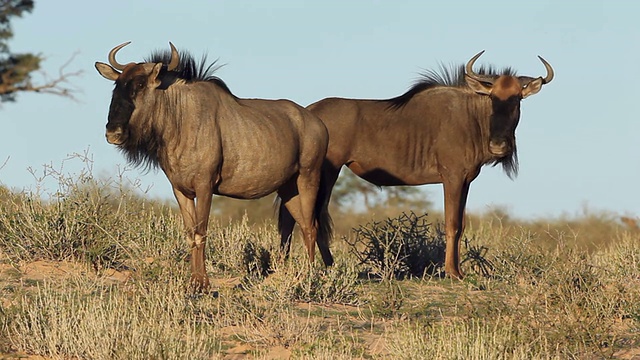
(499, 148)
(115, 136)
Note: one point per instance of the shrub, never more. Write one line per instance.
(401, 247)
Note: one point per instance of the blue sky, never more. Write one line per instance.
(577, 138)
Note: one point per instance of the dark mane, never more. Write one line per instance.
(189, 69)
(446, 76)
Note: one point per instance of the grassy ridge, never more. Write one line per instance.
(527, 294)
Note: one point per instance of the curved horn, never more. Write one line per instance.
(547, 79)
(175, 58)
(112, 56)
(469, 70)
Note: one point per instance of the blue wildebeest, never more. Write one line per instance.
(172, 113)
(442, 130)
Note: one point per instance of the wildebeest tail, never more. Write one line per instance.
(322, 217)
(325, 223)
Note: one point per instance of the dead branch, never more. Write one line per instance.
(59, 85)
(4, 163)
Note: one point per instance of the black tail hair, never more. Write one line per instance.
(321, 215)
(325, 223)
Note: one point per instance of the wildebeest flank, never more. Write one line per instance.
(442, 130)
(172, 113)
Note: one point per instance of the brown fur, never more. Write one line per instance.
(506, 87)
(435, 133)
(208, 141)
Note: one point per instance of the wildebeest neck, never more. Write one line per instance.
(160, 123)
(147, 136)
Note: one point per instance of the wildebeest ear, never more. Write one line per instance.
(107, 71)
(532, 87)
(154, 82)
(477, 86)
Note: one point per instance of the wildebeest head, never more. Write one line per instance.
(505, 92)
(135, 83)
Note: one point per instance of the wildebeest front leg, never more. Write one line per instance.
(456, 190)
(199, 276)
(196, 237)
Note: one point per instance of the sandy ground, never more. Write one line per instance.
(29, 274)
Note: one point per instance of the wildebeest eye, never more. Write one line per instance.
(136, 87)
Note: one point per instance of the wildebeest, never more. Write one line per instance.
(442, 130)
(171, 112)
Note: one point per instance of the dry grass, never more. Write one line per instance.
(99, 273)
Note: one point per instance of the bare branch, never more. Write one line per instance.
(59, 85)
(5, 162)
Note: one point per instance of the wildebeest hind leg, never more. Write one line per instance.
(308, 184)
(299, 199)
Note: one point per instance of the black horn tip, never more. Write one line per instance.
(121, 45)
(475, 57)
(543, 60)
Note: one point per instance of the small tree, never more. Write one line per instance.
(350, 187)
(16, 70)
